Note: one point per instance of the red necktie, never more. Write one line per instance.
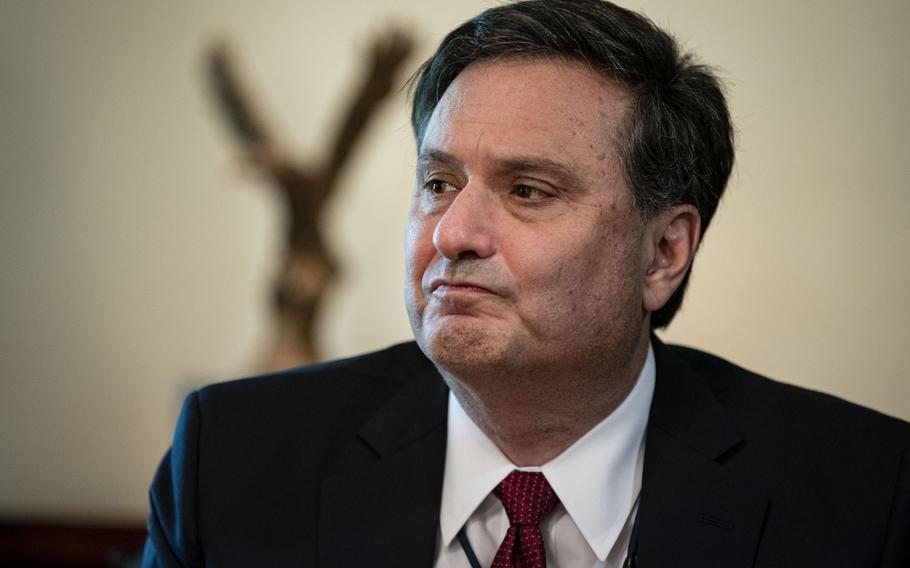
(527, 498)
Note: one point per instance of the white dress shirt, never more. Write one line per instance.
(597, 480)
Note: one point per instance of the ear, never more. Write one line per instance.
(673, 239)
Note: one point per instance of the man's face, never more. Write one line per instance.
(524, 250)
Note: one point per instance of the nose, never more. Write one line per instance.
(466, 229)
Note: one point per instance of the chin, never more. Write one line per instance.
(464, 347)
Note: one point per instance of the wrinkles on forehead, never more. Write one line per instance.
(544, 101)
(615, 97)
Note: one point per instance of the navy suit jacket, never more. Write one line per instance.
(341, 465)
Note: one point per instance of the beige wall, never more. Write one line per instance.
(136, 256)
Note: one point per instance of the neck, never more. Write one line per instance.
(533, 415)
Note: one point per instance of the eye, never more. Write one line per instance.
(437, 186)
(526, 192)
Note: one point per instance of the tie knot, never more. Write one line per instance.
(526, 496)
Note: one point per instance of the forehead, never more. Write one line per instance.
(562, 110)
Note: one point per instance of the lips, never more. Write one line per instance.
(459, 297)
(458, 285)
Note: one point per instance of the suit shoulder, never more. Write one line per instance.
(311, 407)
(388, 367)
(761, 399)
(314, 395)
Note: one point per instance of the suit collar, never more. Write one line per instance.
(381, 506)
(685, 408)
(416, 410)
(693, 511)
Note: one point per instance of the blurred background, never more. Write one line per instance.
(138, 250)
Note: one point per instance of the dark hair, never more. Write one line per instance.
(677, 144)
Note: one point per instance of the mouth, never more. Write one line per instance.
(447, 286)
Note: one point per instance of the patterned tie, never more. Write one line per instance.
(527, 498)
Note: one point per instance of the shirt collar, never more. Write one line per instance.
(596, 479)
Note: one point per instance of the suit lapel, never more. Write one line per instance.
(381, 508)
(693, 511)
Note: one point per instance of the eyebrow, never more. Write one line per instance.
(559, 170)
(433, 156)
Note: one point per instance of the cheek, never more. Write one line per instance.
(591, 272)
(419, 250)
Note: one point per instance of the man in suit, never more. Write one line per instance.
(569, 160)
